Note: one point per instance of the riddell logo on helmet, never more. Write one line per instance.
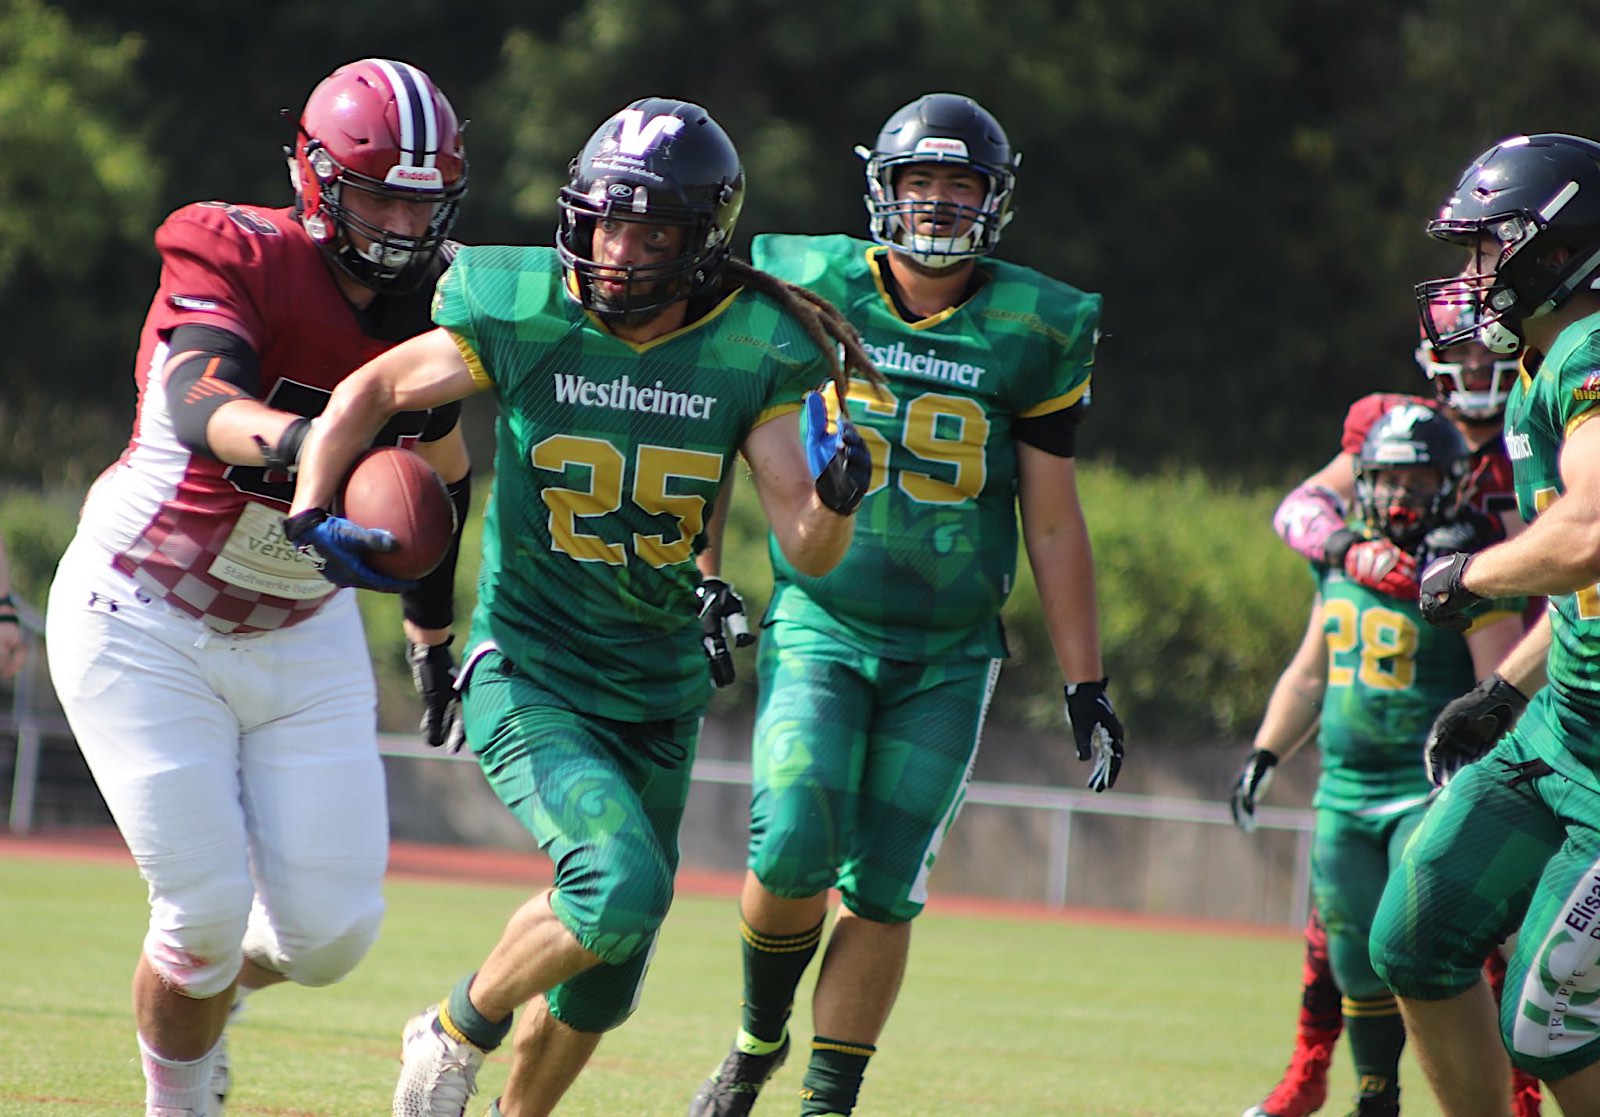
(414, 177)
(940, 145)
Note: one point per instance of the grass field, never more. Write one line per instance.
(1069, 1016)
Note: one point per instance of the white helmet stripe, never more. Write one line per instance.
(419, 126)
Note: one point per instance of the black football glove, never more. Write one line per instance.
(1469, 726)
(1443, 598)
(339, 547)
(840, 465)
(433, 671)
(1096, 731)
(1470, 531)
(721, 615)
(1254, 779)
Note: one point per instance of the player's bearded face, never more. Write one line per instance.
(627, 253)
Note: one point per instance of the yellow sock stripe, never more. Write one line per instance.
(865, 1050)
(780, 944)
(1371, 1007)
(449, 1025)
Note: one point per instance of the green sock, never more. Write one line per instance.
(1376, 1034)
(772, 968)
(460, 1016)
(833, 1078)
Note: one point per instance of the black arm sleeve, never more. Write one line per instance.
(223, 368)
(1055, 433)
(441, 421)
(432, 603)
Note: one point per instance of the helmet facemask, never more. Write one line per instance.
(662, 162)
(941, 129)
(1408, 473)
(1403, 504)
(647, 288)
(1476, 386)
(389, 262)
(1529, 211)
(974, 231)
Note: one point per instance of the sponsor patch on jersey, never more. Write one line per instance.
(928, 364)
(189, 302)
(625, 395)
(1518, 446)
(1589, 389)
(257, 557)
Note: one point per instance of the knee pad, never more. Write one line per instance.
(199, 958)
(312, 953)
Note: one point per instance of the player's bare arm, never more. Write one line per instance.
(1524, 665)
(1559, 552)
(811, 535)
(709, 560)
(1490, 643)
(1338, 476)
(1062, 559)
(1296, 701)
(426, 372)
(1291, 718)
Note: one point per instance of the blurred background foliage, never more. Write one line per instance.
(1246, 183)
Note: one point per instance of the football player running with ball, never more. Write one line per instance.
(217, 683)
(630, 364)
(875, 678)
(1512, 844)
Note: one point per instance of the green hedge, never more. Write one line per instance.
(1200, 605)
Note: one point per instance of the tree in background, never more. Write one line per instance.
(80, 184)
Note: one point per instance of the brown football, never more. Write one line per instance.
(398, 491)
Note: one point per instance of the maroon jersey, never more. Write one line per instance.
(201, 534)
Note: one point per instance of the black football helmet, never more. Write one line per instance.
(940, 128)
(1532, 194)
(384, 128)
(1409, 434)
(666, 162)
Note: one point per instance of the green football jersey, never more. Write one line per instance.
(1541, 411)
(1389, 673)
(935, 549)
(608, 460)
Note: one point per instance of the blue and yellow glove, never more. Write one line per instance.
(339, 546)
(839, 461)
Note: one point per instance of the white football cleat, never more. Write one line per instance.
(438, 1074)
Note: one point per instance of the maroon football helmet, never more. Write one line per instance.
(381, 127)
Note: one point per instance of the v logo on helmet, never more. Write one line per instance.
(1406, 416)
(635, 137)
